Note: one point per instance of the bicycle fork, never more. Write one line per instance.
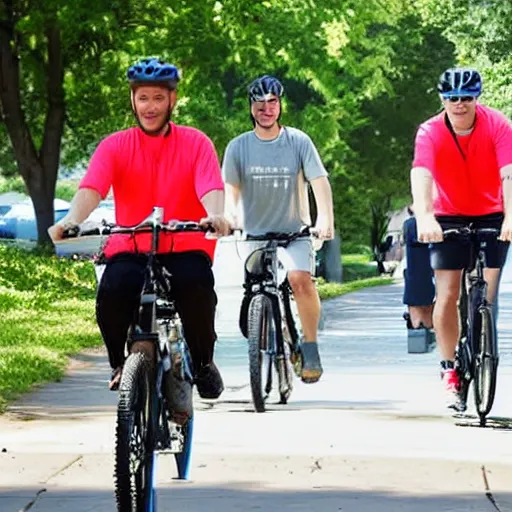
(280, 353)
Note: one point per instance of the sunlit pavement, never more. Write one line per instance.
(371, 435)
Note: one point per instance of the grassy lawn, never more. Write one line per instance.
(358, 272)
(46, 314)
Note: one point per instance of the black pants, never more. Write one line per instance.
(192, 285)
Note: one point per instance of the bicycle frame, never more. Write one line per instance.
(473, 295)
(265, 281)
(473, 304)
(261, 280)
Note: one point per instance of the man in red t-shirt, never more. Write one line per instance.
(157, 163)
(461, 176)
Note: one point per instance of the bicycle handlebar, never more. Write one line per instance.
(465, 231)
(284, 237)
(172, 226)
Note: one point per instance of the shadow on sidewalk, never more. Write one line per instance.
(247, 496)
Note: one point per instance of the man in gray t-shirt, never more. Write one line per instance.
(268, 169)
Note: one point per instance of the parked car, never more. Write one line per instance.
(88, 245)
(18, 220)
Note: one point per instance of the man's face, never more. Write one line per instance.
(461, 111)
(152, 105)
(266, 112)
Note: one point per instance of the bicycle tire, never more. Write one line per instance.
(285, 373)
(134, 455)
(463, 353)
(486, 363)
(260, 328)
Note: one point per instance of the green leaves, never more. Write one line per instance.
(359, 76)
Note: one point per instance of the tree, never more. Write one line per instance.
(383, 146)
(62, 84)
(41, 48)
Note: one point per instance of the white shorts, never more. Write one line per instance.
(298, 255)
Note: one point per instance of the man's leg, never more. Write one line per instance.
(116, 303)
(192, 285)
(308, 302)
(447, 329)
(298, 259)
(492, 277)
(448, 258)
(446, 315)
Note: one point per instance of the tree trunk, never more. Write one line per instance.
(37, 168)
(43, 207)
(380, 221)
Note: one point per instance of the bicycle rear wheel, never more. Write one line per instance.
(486, 363)
(134, 454)
(261, 339)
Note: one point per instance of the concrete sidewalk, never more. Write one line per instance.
(372, 435)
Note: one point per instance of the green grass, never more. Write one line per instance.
(358, 272)
(46, 314)
(331, 290)
(358, 266)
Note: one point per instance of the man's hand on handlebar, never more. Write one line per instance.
(429, 230)
(57, 231)
(219, 223)
(323, 229)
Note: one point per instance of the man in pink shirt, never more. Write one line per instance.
(157, 163)
(461, 176)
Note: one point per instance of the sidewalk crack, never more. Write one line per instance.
(488, 492)
(30, 504)
(63, 468)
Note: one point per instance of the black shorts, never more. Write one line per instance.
(456, 254)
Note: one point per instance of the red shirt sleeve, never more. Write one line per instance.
(100, 173)
(502, 136)
(207, 169)
(424, 150)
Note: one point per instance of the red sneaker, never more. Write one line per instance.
(451, 382)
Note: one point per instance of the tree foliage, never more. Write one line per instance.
(359, 78)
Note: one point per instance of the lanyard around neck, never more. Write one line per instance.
(454, 135)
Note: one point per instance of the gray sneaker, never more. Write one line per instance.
(311, 370)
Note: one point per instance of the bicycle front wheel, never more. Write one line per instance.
(486, 364)
(261, 337)
(134, 454)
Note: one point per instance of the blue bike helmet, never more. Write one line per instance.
(264, 86)
(153, 71)
(460, 82)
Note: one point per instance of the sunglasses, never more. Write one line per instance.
(463, 99)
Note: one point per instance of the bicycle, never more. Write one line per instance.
(156, 374)
(477, 357)
(267, 320)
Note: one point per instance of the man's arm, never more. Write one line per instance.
(82, 205)
(213, 203)
(233, 194)
(422, 185)
(506, 180)
(325, 212)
